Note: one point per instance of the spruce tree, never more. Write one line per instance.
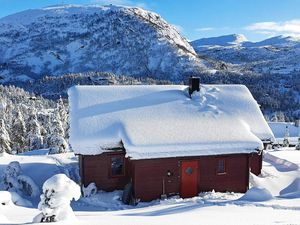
(58, 144)
(34, 137)
(19, 130)
(4, 139)
(64, 118)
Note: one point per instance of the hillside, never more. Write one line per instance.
(71, 39)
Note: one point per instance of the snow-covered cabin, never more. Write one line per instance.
(159, 141)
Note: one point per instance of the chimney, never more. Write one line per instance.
(194, 84)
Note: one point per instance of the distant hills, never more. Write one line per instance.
(276, 55)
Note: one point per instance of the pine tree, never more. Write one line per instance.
(4, 139)
(58, 144)
(19, 130)
(64, 118)
(34, 137)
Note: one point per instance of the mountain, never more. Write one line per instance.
(227, 40)
(72, 39)
(278, 41)
(276, 55)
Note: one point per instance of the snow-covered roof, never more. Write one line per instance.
(163, 121)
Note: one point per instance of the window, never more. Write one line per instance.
(189, 171)
(117, 165)
(221, 169)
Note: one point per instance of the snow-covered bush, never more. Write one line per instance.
(14, 180)
(90, 190)
(27, 185)
(58, 192)
(58, 145)
(10, 175)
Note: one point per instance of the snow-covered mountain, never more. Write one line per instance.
(276, 55)
(70, 39)
(227, 40)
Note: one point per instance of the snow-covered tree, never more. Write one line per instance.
(58, 192)
(64, 117)
(57, 142)
(19, 133)
(14, 180)
(58, 145)
(5, 142)
(34, 137)
(278, 117)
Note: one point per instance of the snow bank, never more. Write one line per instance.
(256, 194)
(5, 198)
(293, 187)
(3, 219)
(162, 121)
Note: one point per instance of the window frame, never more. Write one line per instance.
(218, 172)
(122, 157)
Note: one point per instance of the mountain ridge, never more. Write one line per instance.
(241, 40)
(74, 38)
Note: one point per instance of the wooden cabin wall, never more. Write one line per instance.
(96, 168)
(150, 179)
(256, 163)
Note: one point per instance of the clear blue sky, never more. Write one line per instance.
(256, 19)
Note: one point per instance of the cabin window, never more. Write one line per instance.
(221, 167)
(117, 165)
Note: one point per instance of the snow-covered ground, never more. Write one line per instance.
(273, 199)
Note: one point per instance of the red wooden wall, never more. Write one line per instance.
(256, 163)
(96, 169)
(150, 177)
(151, 174)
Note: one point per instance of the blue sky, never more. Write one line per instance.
(256, 19)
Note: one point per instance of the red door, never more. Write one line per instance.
(189, 178)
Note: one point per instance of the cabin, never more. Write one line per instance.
(156, 141)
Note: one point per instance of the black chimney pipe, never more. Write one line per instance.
(194, 85)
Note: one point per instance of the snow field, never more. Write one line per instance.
(269, 201)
